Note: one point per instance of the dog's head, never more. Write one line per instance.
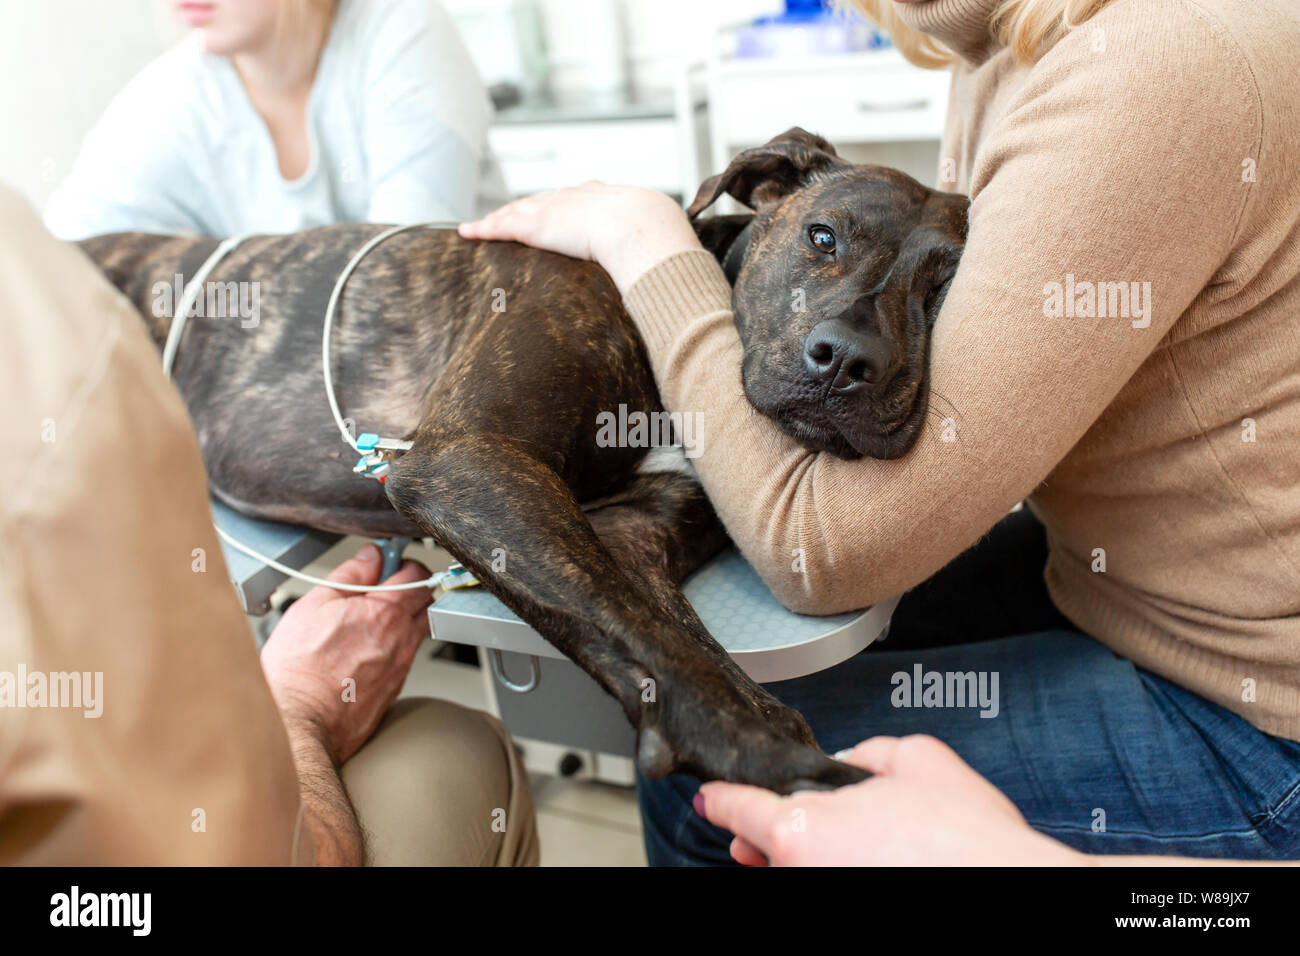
(837, 282)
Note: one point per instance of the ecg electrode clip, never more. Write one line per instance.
(377, 455)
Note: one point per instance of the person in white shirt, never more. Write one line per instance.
(278, 115)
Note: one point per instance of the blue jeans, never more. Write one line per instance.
(1096, 752)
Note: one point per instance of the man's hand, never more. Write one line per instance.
(335, 663)
(337, 660)
(924, 807)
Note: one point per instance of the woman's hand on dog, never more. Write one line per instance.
(337, 659)
(625, 229)
(925, 806)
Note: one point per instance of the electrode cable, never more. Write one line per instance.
(177, 330)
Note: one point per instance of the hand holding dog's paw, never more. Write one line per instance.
(923, 806)
(746, 737)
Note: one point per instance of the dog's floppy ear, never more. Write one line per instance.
(932, 273)
(768, 172)
(932, 253)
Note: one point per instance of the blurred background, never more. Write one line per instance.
(657, 93)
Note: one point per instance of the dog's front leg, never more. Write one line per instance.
(514, 522)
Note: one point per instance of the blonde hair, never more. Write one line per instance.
(1028, 27)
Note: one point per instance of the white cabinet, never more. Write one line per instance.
(671, 139)
(540, 156)
(859, 98)
(656, 140)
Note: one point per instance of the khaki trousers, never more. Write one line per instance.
(441, 785)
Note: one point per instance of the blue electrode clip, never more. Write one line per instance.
(376, 455)
(458, 576)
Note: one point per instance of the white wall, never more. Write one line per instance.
(61, 61)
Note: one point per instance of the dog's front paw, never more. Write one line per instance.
(755, 741)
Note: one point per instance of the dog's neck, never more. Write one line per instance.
(737, 253)
(727, 237)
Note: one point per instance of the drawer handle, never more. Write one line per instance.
(542, 157)
(892, 106)
(499, 672)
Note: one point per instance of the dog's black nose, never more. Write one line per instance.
(846, 358)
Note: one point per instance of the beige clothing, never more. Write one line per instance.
(109, 566)
(442, 785)
(1154, 144)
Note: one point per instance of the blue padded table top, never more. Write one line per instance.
(290, 545)
(768, 641)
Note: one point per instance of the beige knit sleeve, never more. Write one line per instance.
(1122, 167)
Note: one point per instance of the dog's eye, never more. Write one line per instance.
(822, 238)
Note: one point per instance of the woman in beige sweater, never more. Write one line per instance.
(1142, 645)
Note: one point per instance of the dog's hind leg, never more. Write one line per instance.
(506, 514)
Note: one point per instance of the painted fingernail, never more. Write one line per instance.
(843, 754)
(697, 802)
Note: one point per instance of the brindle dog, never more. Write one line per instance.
(502, 407)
